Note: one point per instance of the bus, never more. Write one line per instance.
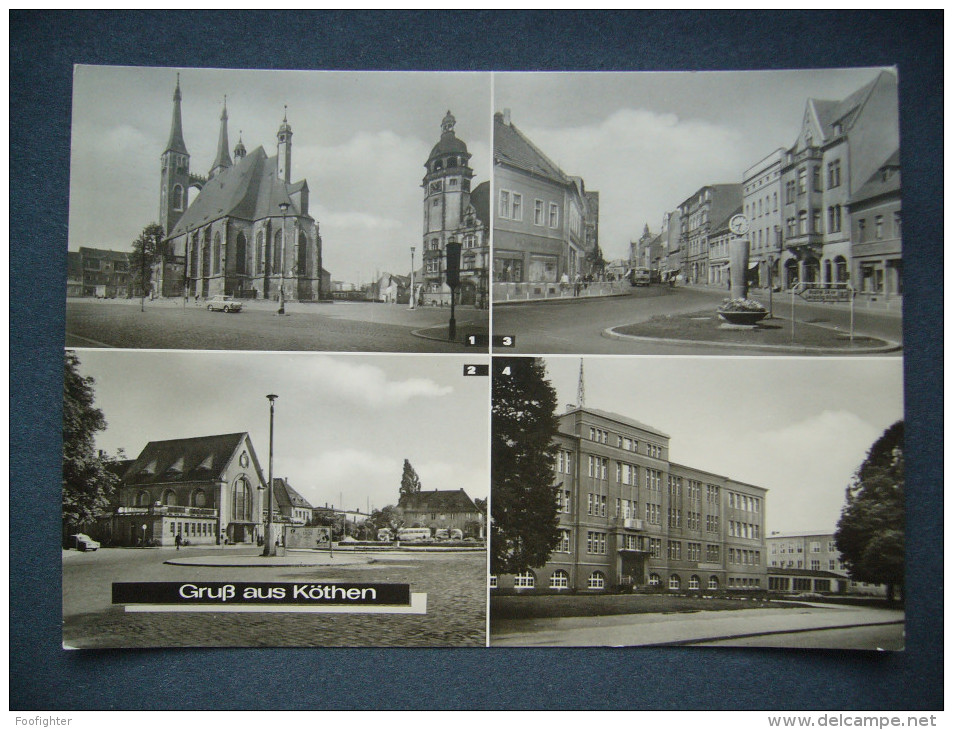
(641, 277)
(413, 534)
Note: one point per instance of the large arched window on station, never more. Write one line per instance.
(143, 499)
(168, 498)
(241, 500)
(559, 580)
(198, 498)
(597, 581)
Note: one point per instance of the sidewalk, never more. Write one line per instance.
(517, 293)
(890, 306)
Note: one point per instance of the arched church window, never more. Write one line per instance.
(217, 254)
(260, 252)
(240, 253)
(142, 499)
(276, 261)
(302, 254)
(168, 498)
(177, 197)
(241, 500)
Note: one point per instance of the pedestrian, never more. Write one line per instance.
(178, 540)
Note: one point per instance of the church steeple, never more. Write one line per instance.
(240, 150)
(284, 149)
(222, 160)
(174, 185)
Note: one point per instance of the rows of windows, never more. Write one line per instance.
(747, 557)
(192, 529)
(745, 582)
(653, 513)
(879, 228)
(743, 529)
(596, 505)
(596, 543)
(598, 467)
(744, 502)
(511, 208)
(564, 462)
(761, 207)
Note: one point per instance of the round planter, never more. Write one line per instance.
(744, 318)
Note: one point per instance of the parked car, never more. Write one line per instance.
(84, 543)
(641, 277)
(222, 303)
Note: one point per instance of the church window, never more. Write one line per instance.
(302, 254)
(240, 253)
(276, 260)
(177, 198)
(260, 251)
(217, 254)
(241, 500)
(168, 498)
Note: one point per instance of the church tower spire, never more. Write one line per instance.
(284, 149)
(222, 160)
(240, 150)
(174, 183)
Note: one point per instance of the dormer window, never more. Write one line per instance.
(150, 468)
(206, 463)
(838, 128)
(175, 468)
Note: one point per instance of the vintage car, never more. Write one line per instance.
(222, 303)
(84, 543)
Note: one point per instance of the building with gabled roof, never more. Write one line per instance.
(450, 509)
(248, 233)
(545, 223)
(290, 505)
(840, 146)
(875, 220)
(205, 489)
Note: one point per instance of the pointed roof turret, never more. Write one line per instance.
(240, 150)
(222, 160)
(284, 127)
(176, 141)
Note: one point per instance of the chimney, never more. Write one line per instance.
(506, 117)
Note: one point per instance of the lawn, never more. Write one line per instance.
(559, 606)
(776, 332)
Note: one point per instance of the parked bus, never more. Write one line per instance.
(641, 277)
(413, 534)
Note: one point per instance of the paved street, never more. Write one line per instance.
(576, 326)
(701, 627)
(455, 585)
(889, 637)
(333, 327)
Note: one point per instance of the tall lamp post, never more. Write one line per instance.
(281, 260)
(453, 281)
(268, 551)
(413, 299)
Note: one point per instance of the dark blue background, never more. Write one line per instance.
(44, 47)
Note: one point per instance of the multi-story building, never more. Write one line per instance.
(761, 187)
(289, 505)
(841, 145)
(545, 223)
(810, 562)
(450, 509)
(206, 489)
(453, 213)
(631, 518)
(96, 272)
(248, 233)
(876, 264)
(707, 206)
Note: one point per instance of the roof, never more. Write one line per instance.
(449, 144)
(480, 200)
(722, 226)
(725, 199)
(201, 458)
(446, 500)
(616, 417)
(514, 148)
(846, 111)
(103, 253)
(287, 497)
(885, 180)
(249, 189)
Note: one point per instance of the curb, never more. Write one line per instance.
(691, 642)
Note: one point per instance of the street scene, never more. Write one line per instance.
(709, 506)
(719, 207)
(313, 215)
(271, 492)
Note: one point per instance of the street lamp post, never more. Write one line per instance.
(268, 552)
(281, 260)
(453, 281)
(185, 269)
(413, 299)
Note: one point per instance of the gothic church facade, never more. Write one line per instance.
(247, 233)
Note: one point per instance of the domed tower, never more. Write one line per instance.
(446, 187)
(174, 187)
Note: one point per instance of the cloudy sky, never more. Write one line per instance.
(798, 426)
(343, 423)
(360, 140)
(647, 141)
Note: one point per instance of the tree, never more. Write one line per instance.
(146, 250)
(409, 481)
(524, 517)
(870, 532)
(595, 260)
(88, 482)
(390, 517)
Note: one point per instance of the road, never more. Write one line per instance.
(332, 327)
(575, 326)
(756, 626)
(455, 585)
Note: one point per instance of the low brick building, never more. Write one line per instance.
(450, 509)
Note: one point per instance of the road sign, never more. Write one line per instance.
(825, 294)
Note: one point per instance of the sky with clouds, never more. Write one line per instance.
(343, 423)
(360, 140)
(647, 141)
(799, 427)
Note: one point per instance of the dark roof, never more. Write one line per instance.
(287, 497)
(447, 500)
(885, 180)
(119, 466)
(249, 189)
(176, 142)
(847, 109)
(616, 417)
(480, 200)
(725, 198)
(102, 253)
(202, 458)
(512, 147)
(722, 226)
(449, 144)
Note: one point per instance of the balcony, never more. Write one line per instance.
(169, 511)
(632, 524)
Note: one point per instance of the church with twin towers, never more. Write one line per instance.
(247, 233)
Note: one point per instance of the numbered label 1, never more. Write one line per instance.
(504, 340)
(477, 340)
(476, 369)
